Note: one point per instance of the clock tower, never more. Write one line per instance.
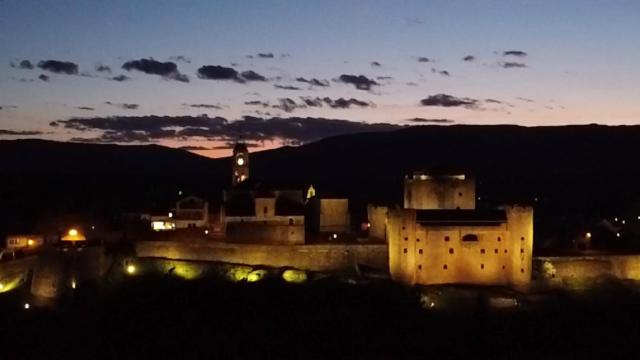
(240, 168)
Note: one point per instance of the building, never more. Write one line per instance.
(191, 212)
(327, 213)
(24, 241)
(439, 237)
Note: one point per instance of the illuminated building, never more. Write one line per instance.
(240, 167)
(30, 241)
(191, 212)
(440, 238)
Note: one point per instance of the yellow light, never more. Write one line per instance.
(256, 275)
(588, 235)
(26, 306)
(73, 284)
(294, 276)
(73, 232)
(335, 236)
(30, 242)
(131, 269)
(1, 286)
(617, 234)
(240, 161)
(206, 232)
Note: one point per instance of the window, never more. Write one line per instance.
(404, 250)
(446, 238)
(450, 250)
(499, 239)
(406, 239)
(459, 194)
(521, 251)
(417, 239)
(420, 251)
(506, 251)
(495, 251)
(419, 267)
(522, 238)
(444, 267)
(290, 221)
(470, 237)
(522, 270)
(265, 210)
(481, 266)
(503, 267)
(481, 251)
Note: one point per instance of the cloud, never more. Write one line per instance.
(411, 83)
(182, 58)
(423, 59)
(445, 100)
(524, 99)
(517, 53)
(231, 144)
(59, 67)
(124, 106)
(288, 105)
(361, 82)
(384, 78)
(150, 128)
(194, 148)
(103, 68)
(204, 106)
(510, 65)
(168, 70)
(252, 76)
(88, 108)
(257, 103)
(5, 132)
(265, 55)
(43, 77)
(441, 72)
(24, 64)
(120, 78)
(342, 103)
(286, 87)
(217, 72)
(313, 82)
(375, 64)
(469, 58)
(431, 121)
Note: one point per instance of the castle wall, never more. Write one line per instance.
(265, 207)
(267, 233)
(377, 216)
(334, 215)
(339, 257)
(438, 255)
(575, 268)
(439, 193)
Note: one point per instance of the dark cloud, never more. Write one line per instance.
(431, 121)
(120, 78)
(411, 83)
(257, 103)
(19, 132)
(217, 72)
(441, 72)
(24, 64)
(231, 144)
(448, 101)
(124, 106)
(361, 82)
(313, 82)
(511, 65)
(469, 58)
(85, 108)
(168, 70)
(375, 64)
(182, 58)
(150, 128)
(342, 103)
(423, 59)
(43, 77)
(524, 99)
(286, 87)
(103, 68)
(384, 78)
(204, 106)
(194, 148)
(288, 105)
(59, 67)
(250, 75)
(265, 55)
(312, 102)
(517, 53)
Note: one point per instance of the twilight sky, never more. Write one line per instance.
(200, 74)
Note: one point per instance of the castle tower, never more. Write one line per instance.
(240, 167)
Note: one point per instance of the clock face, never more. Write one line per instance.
(240, 161)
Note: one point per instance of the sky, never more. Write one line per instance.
(202, 74)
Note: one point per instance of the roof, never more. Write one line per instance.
(461, 217)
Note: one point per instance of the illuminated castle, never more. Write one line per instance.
(439, 237)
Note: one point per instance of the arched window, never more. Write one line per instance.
(470, 237)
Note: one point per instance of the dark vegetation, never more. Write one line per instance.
(575, 176)
(168, 318)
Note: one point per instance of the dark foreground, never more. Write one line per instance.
(168, 318)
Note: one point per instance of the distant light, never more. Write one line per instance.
(30, 242)
(73, 284)
(535, 199)
(170, 214)
(206, 231)
(240, 161)
(617, 234)
(93, 227)
(638, 217)
(623, 222)
(73, 232)
(588, 235)
(432, 304)
(335, 236)
(616, 219)
(26, 306)
(131, 269)
(179, 192)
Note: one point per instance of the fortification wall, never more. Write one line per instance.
(575, 268)
(306, 257)
(334, 215)
(439, 193)
(377, 216)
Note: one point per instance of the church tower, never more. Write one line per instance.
(240, 168)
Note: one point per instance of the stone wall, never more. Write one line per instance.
(342, 257)
(377, 216)
(574, 268)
